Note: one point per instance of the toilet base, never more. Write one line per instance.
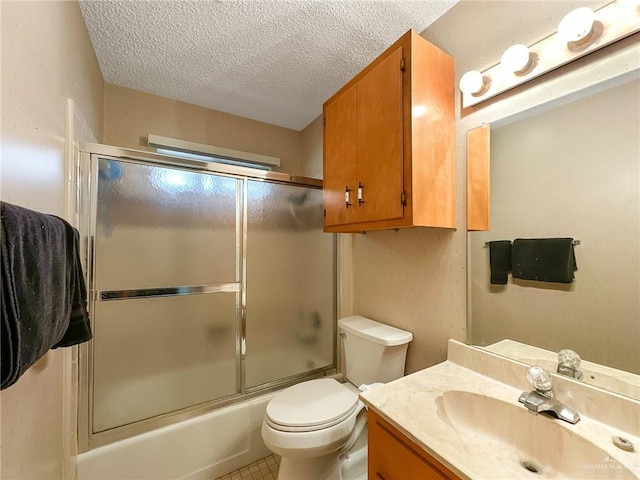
(337, 465)
(326, 467)
(353, 464)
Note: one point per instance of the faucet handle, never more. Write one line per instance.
(568, 363)
(540, 380)
(569, 358)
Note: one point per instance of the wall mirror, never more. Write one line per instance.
(572, 170)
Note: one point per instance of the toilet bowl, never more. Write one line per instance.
(311, 419)
(314, 424)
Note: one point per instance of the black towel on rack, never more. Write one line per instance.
(544, 259)
(500, 261)
(44, 298)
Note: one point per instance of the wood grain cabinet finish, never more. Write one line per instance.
(389, 143)
(392, 456)
(478, 178)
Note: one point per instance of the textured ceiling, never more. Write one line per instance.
(270, 60)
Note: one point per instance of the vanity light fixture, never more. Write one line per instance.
(516, 59)
(577, 26)
(580, 32)
(473, 83)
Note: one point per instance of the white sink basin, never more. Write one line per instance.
(512, 442)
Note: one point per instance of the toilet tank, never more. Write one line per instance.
(373, 351)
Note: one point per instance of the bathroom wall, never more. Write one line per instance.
(312, 148)
(46, 57)
(130, 115)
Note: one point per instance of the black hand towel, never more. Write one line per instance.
(43, 290)
(544, 259)
(500, 261)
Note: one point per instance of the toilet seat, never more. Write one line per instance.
(311, 406)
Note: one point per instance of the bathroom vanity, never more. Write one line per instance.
(392, 455)
(462, 419)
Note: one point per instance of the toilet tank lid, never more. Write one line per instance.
(375, 331)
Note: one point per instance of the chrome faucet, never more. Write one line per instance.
(568, 363)
(541, 399)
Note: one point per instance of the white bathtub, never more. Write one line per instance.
(204, 447)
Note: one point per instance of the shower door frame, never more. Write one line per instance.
(86, 194)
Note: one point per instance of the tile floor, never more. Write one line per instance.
(264, 469)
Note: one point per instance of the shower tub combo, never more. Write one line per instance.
(211, 286)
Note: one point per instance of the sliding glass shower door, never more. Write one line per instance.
(167, 277)
(205, 286)
(290, 288)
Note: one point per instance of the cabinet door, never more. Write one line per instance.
(340, 159)
(392, 456)
(379, 139)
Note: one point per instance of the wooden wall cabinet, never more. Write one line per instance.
(389, 153)
(392, 456)
(478, 179)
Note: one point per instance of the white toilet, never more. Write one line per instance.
(313, 425)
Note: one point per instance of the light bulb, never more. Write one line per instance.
(472, 83)
(577, 25)
(516, 59)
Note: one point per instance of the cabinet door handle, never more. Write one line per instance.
(347, 196)
(379, 475)
(360, 193)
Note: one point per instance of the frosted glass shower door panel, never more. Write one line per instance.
(290, 283)
(158, 355)
(163, 227)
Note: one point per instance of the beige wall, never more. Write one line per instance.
(561, 173)
(415, 280)
(312, 149)
(46, 57)
(130, 115)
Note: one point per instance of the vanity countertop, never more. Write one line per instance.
(411, 405)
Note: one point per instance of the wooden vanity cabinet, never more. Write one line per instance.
(392, 456)
(389, 143)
